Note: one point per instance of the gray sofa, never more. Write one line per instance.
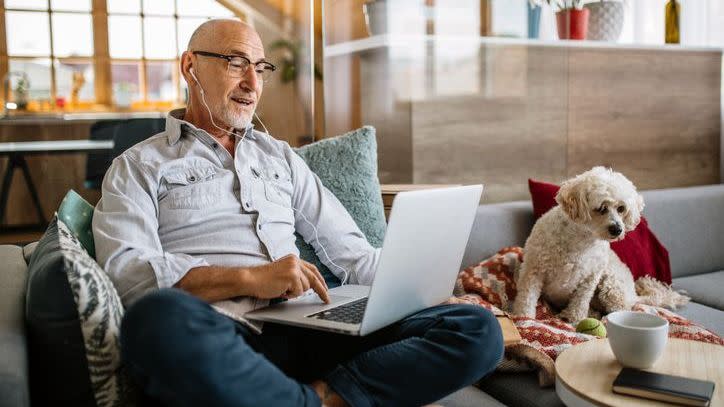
(688, 221)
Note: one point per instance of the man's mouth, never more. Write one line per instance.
(243, 101)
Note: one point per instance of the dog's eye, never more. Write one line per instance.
(602, 210)
(621, 208)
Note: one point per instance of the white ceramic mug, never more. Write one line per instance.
(637, 339)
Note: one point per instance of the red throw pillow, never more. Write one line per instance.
(640, 250)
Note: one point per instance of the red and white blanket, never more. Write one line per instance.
(491, 284)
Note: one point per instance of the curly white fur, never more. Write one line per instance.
(568, 257)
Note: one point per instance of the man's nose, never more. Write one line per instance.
(250, 79)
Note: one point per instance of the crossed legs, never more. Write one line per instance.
(183, 353)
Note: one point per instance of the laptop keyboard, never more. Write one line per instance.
(350, 313)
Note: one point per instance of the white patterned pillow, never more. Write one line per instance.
(100, 312)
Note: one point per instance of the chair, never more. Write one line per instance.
(124, 133)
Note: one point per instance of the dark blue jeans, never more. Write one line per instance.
(183, 353)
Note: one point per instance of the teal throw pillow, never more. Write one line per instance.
(77, 214)
(347, 166)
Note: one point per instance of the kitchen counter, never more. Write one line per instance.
(16, 118)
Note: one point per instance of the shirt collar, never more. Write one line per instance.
(175, 127)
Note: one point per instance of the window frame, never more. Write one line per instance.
(101, 59)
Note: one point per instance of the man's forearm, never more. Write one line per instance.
(216, 283)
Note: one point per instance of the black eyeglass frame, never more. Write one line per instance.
(267, 70)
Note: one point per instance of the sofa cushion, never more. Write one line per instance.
(77, 214)
(706, 289)
(56, 351)
(690, 223)
(14, 389)
(710, 318)
(347, 166)
(640, 250)
(497, 225)
(74, 315)
(28, 251)
(469, 397)
(543, 196)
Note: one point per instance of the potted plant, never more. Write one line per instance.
(571, 18)
(22, 91)
(124, 92)
(293, 56)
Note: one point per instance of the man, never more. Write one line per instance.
(207, 211)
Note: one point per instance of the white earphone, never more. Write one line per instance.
(191, 71)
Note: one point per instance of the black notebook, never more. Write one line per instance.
(656, 386)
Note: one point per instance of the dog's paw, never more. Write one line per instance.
(572, 316)
(523, 313)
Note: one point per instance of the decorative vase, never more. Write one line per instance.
(533, 21)
(572, 24)
(606, 21)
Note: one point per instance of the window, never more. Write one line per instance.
(51, 44)
(146, 39)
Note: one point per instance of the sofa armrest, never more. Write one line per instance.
(14, 379)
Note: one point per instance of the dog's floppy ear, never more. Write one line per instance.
(633, 216)
(573, 200)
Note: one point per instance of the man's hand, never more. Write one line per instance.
(288, 277)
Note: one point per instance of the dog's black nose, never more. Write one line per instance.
(615, 230)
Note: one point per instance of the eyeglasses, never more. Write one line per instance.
(238, 65)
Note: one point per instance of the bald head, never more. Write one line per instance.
(222, 95)
(215, 35)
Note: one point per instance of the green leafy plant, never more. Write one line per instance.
(561, 4)
(291, 60)
(22, 87)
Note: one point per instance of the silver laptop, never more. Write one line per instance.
(420, 259)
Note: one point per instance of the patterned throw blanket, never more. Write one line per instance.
(491, 284)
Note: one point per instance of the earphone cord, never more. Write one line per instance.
(316, 237)
(203, 99)
(316, 233)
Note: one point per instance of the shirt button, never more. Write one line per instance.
(258, 226)
(192, 178)
(214, 145)
(247, 204)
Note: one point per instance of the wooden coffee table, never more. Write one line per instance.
(585, 372)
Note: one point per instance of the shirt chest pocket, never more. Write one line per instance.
(277, 182)
(191, 188)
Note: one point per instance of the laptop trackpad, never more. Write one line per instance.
(313, 299)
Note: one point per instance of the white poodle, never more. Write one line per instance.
(568, 257)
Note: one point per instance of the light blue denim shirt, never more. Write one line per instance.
(179, 200)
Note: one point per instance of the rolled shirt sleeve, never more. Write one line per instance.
(125, 230)
(347, 248)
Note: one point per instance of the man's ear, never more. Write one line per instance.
(573, 200)
(186, 67)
